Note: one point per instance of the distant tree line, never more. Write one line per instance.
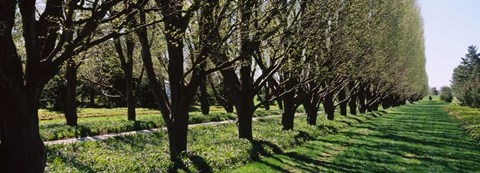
(354, 55)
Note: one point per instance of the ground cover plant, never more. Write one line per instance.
(415, 138)
(213, 148)
(468, 117)
(111, 123)
(46, 114)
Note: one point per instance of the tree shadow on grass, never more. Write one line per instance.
(199, 164)
(263, 148)
(417, 139)
(302, 136)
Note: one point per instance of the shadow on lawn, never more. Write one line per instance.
(419, 139)
(199, 164)
(263, 148)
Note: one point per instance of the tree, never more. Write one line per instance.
(446, 94)
(434, 91)
(48, 41)
(126, 60)
(466, 79)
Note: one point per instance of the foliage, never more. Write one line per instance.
(468, 117)
(434, 91)
(466, 79)
(446, 94)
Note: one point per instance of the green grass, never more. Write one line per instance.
(89, 126)
(414, 138)
(468, 117)
(46, 114)
(211, 148)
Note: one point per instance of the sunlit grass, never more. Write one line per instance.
(415, 138)
(211, 148)
(89, 126)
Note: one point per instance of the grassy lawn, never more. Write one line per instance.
(46, 114)
(414, 138)
(55, 129)
(211, 148)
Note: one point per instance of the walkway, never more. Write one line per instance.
(416, 138)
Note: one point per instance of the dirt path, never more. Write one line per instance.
(414, 138)
(106, 136)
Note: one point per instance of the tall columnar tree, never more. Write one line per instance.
(466, 79)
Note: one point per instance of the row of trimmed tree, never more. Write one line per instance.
(317, 53)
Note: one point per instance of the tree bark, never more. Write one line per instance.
(267, 97)
(288, 115)
(130, 96)
(91, 102)
(312, 113)
(222, 98)
(387, 103)
(343, 103)
(204, 104)
(71, 101)
(361, 100)
(352, 104)
(329, 106)
(21, 146)
(126, 61)
(280, 103)
(245, 109)
(375, 106)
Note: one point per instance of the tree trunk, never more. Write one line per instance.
(267, 98)
(71, 102)
(204, 104)
(130, 95)
(126, 61)
(329, 106)
(229, 108)
(353, 104)
(179, 131)
(288, 115)
(370, 102)
(361, 101)
(312, 113)
(21, 146)
(375, 106)
(245, 109)
(343, 103)
(91, 102)
(386, 103)
(280, 103)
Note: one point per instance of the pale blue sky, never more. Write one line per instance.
(450, 27)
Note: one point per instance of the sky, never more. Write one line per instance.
(450, 27)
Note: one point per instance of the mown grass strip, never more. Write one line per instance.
(415, 138)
